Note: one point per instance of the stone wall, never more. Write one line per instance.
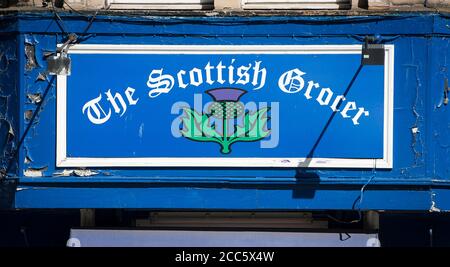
(236, 4)
(392, 4)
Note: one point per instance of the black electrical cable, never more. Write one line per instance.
(348, 236)
(59, 21)
(64, 29)
(23, 231)
(90, 24)
(72, 38)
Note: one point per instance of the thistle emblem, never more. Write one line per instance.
(225, 109)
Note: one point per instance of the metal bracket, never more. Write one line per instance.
(59, 63)
(372, 54)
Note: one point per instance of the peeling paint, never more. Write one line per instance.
(141, 130)
(31, 57)
(63, 173)
(4, 62)
(47, 53)
(30, 39)
(27, 160)
(433, 207)
(35, 98)
(80, 173)
(41, 77)
(35, 172)
(212, 14)
(413, 146)
(28, 114)
(7, 134)
(417, 144)
(84, 173)
(11, 131)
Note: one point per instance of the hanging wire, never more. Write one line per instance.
(83, 34)
(82, 14)
(72, 38)
(23, 231)
(36, 112)
(358, 200)
(59, 21)
(374, 172)
(63, 27)
(347, 236)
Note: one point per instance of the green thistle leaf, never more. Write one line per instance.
(207, 129)
(255, 127)
(191, 124)
(197, 127)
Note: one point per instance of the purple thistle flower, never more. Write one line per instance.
(226, 94)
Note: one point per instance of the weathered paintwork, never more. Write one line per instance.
(419, 179)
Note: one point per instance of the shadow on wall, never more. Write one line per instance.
(306, 184)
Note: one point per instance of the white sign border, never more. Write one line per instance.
(62, 160)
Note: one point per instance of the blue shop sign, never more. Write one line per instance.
(225, 106)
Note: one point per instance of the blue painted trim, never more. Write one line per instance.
(83, 181)
(198, 198)
(307, 26)
(441, 24)
(413, 184)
